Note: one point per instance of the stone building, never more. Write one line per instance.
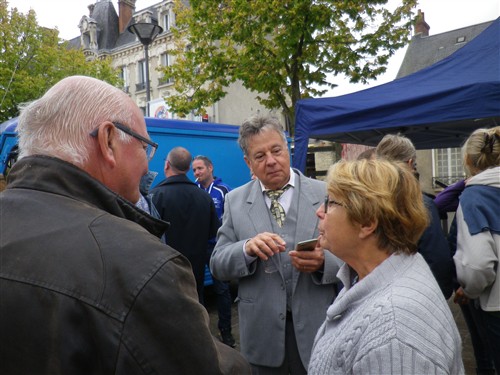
(103, 33)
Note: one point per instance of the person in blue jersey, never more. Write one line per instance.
(203, 170)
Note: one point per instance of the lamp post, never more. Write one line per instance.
(146, 32)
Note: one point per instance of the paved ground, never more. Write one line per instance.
(467, 353)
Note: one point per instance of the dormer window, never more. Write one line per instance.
(166, 21)
(461, 39)
(145, 16)
(167, 17)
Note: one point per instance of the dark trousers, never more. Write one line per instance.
(224, 302)
(491, 320)
(224, 299)
(472, 317)
(292, 364)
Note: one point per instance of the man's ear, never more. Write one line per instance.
(247, 161)
(108, 140)
(167, 166)
(368, 228)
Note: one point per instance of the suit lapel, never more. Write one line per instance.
(307, 221)
(258, 213)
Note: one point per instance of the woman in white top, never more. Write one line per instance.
(478, 233)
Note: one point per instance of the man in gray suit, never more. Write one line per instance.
(279, 312)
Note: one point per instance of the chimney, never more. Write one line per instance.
(421, 27)
(125, 11)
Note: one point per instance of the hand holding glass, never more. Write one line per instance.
(273, 262)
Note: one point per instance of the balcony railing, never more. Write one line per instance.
(140, 86)
(165, 81)
(440, 182)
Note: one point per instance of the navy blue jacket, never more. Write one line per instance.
(434, 248)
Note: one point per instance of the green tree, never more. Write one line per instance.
(33, 58)
(284, 49)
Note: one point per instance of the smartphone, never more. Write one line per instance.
(307, 245)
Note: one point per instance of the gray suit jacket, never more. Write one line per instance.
(262, 296)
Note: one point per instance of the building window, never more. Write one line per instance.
(461, 39)
(141, 75)
(166, 21)
(166, 60)
(124, 78)
(448, 166)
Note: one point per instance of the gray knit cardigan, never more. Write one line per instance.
(393, 321)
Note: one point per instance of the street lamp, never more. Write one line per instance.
(146, 32)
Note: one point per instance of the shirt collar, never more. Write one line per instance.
(290, 182)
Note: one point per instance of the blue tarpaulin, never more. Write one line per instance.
(436, 107)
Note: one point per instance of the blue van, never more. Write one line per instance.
(216, 141)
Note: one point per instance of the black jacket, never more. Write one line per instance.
(192, 217)
(434, 248)
(84, 289)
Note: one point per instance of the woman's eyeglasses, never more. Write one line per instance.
(329, 202)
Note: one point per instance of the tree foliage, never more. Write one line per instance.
(283, 49)
(33, 58)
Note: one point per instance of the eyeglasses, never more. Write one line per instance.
(328, 202)
(149, 146)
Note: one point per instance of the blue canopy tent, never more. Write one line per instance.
(436, 107)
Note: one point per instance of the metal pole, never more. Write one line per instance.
(148, 94)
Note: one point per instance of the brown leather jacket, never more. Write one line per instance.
(85, 288)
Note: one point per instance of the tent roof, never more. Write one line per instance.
(436, 107)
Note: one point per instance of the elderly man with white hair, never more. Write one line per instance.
(86, 285)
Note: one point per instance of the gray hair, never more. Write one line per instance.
(256, 125)
(58, 124)
(396, 147)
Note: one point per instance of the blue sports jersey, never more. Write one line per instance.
(217, 190)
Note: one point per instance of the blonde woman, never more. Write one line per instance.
(391, 317)
(478, 233)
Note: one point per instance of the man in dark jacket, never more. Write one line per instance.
(86, 286)
(189, 210)
(432, 245)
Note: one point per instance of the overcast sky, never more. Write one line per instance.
(441, 15)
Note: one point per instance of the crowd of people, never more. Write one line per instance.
(99, 273)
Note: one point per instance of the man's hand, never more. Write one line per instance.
(265, 245)
(460, 297)
(308, 261)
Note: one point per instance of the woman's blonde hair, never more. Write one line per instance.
(382, 191)
(481, 150)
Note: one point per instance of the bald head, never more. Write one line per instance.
(178, 161)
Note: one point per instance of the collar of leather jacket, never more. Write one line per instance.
(49, 174)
